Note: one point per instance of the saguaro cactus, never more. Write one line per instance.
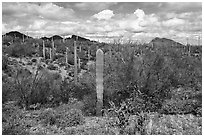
(75, 62)
(67, 55)
(79, 63)
(23, 39)
(50, 53)
(99, 81)
(89, 54)
(43, 49)
(53, 49)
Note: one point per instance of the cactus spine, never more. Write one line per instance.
(99, 80)
(75, 62)
(43, 49)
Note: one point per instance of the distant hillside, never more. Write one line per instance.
(165, 42)
(79, 38)
(56, 37)
(45, 38)
(16, 34)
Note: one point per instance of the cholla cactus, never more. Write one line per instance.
(99, 80)
(75, 62)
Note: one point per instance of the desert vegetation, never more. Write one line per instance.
(148, 89)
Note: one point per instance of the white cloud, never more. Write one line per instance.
(104, 15)
(38, 24)
(95, 6)
(45, 11)
(48, 19)
(173, 22)
(140, 14)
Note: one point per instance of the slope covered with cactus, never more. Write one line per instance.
(152, 88)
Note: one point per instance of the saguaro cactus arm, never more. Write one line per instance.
(99, 80)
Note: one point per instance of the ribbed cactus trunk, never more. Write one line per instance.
(75, 62)
(23, 39)
(110, 52)
(99, 81)
(50, 53)
(53, 50)
(80, 48)
(43, 49)
(66, 55)
(79, 63)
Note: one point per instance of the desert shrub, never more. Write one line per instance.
(13, 120)
(71, 117)
(177, 125)
(182, 101)
(52, 67)
(148, 76)
(19, 50)
(89, 101)
(4, 62)
(37, 88)
(48, 117)
(7, 91)
(175, 106)
(34, 60)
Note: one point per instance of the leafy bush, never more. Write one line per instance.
(89, 101)
(48, 117)
(52, 67)
(4, 62)
(19, 50)
(12, 120)
(72, 117)
(7, 91)
(183, 101)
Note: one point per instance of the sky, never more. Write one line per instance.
(106, 21)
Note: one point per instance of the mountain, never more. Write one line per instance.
(56, 37)
(165, 42)
(16, 34)
(45, 38)
(79, 38)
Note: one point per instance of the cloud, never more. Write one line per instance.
(104, 15)
(173, 22)
(139, 13)
(104, 20)
(46, 10)
(37, 24)
(95, 6)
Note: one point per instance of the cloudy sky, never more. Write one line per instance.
(105, 21)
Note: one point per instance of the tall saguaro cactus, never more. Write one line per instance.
(79, 63)
(50, 53)
(66, 55)
(75, 62)
(43, 49)
(53, 49)
(99, 81)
